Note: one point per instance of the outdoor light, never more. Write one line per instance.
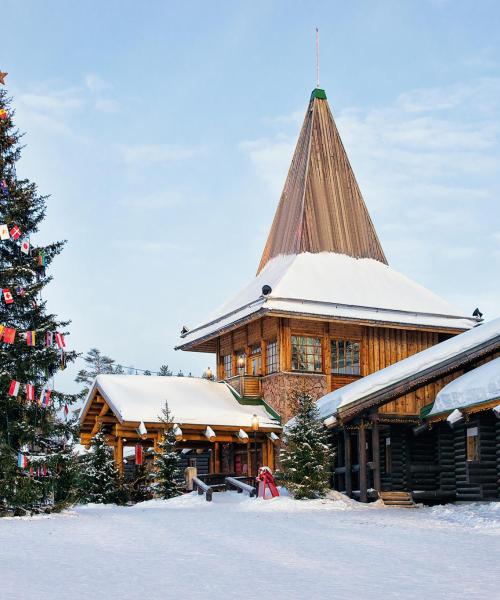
(241, 362)
(208, 373)
(255, 422)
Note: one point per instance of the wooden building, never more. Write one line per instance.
(447, 450)
(325, 309)
(210, 418)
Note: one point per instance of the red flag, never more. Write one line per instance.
(30, 391)
(15, 233)
(138, 454)
(9, 335)
(14, 388)
(7, 296)
(4, 114)
(60, 340)
(66, 410)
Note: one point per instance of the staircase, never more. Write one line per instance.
(398, 499)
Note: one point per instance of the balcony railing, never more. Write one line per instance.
(246, 385)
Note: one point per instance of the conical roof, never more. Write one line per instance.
(321, 207)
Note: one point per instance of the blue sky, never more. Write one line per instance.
(163, 131)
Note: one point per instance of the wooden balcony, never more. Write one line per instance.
(248, 386)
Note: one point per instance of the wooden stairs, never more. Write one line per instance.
(397, 499)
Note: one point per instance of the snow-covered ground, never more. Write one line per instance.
(188, 548)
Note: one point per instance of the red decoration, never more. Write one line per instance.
(7, 296)
(266, 479)
(138, 454)
(9, 335)
(15, 233)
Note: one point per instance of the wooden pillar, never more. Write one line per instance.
(119, 454)
(270, 454)
(363, 488)
(249, 459)
(347, 462)
(216, 457)
(376, 456)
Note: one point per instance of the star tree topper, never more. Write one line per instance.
(2, 77)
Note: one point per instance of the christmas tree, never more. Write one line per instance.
(99, 480)
(33, 429)
(167, 474)
(306, 458)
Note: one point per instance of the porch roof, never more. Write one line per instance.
(192, 401)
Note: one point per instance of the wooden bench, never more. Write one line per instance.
(205, 488)
(241, 486)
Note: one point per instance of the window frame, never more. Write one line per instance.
(315, 357)
(272, 357)
(227, 361)
(472, 449)
(350, 352)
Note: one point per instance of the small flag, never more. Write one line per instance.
(49, 338)
(25, 246)
(22, 460)
(30, 391)
(60, 340)
(4, 188)
(14, 388)
(45, 397)
(41, 259)
(138, 454)
(15, 233)
(63, 360)
(20, 291)
(4, 232)
(9, 335)
(66, 410)
(3, 114)
(7, 296)
(31, 338)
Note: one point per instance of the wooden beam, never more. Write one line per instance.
(348, 462)
(376, 456)
(363, 484)
(119, 455)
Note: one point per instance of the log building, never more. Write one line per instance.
(325, 309)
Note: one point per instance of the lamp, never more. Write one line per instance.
(208, 373)
(255, 422)
(241, 362)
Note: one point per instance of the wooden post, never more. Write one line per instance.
(347, 462)
(376, 456)
(363, 488)
(216, 458)
(119, 454)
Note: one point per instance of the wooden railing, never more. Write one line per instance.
(246, 385)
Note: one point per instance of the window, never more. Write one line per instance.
(306, 354)
(345, 357)
(473, 444)
(255, 360)
(388, 457)
(227, 362)
(272, 357)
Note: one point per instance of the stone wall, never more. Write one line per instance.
(280, 389)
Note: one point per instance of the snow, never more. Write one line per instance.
(479, 385)
(335, 285)
(280, 549)
(408, 367)
(191, 400)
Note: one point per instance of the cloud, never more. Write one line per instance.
(95, 84)
(158, 153)
(106, 105)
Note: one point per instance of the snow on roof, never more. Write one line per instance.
(191, 400)
(335, 285)
(479, 385)
(408, 367)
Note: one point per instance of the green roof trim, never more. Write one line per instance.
(318, 93)
(254, 401)
(425, 410)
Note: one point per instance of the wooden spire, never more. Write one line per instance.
(321, 207)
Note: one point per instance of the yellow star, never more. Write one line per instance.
(2, 77)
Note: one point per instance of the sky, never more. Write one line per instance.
(163, 132)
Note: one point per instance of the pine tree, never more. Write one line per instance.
(97, 364)
(165, 371)
(98, 480)
(167, 474)
(306, 458)
(25, 424)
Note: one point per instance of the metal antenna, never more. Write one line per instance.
(317, 57)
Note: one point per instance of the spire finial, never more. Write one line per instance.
(317, 57)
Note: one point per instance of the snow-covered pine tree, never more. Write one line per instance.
(99, 480)
(167, 474)
(165, 371)
(306, 458)
(96, 364)
(30, 349)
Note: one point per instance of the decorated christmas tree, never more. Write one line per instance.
(306, 458)
(99, 480)
(167, 474)
(34, 425)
